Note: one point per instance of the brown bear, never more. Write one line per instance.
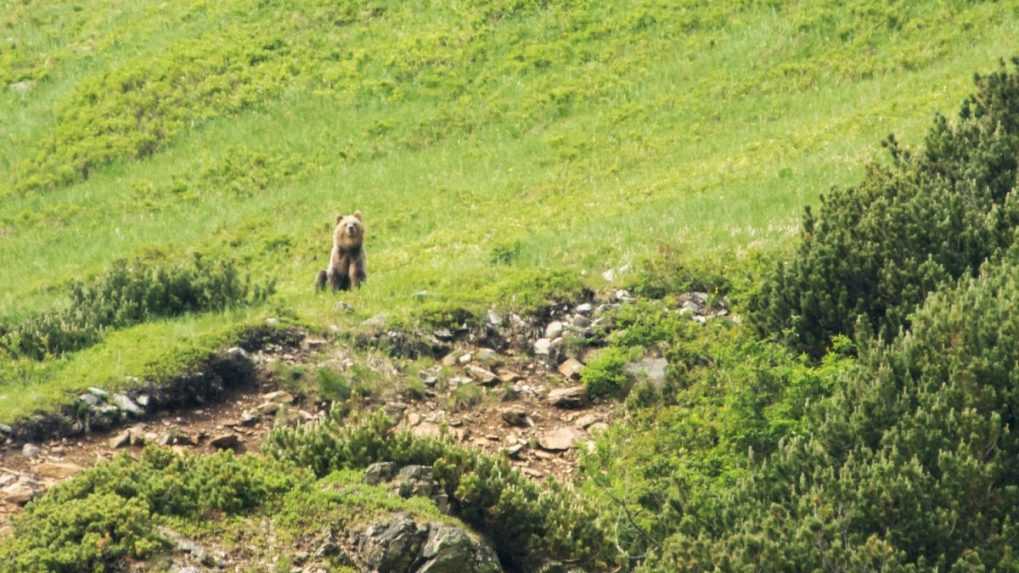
(346, 262)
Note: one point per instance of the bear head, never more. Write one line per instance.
(349, 231)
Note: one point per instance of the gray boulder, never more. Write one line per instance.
(402, 544)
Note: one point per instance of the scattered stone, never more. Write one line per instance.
(225, 442)
(571, 369)
(391, 546)
(558, 440)
(450, 359)
(585, 308)
(57, 470)
(568, 398)
(494, 319)
(586, 421)
(266, 409)
(543, 347)
(22, 87)
(443, 334)
(377, 323)
(401, 543)
(426, 430)
(507, 376)
(30, 450)
(176, 437)
(121, 440)
(413, 419)
(482, 375)
(465, 358)
(379, 472)
(623, 296)
(609, 275)
(488, 357)
(143, 400)
(554, 329)
(98, 393)
(651, 369)
(516, 417)
(196, 550)
(279, 397)
(22, 491)
(127, 405)
(248, 418)
(597, 427)
(89, 400)
(515, 451)
(450, 549)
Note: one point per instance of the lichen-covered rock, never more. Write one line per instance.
(451, 550)
(403, 544)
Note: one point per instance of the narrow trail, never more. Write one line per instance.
(524, 402)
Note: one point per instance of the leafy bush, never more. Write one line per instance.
(113, 510)
(667, 272)
(908, 465)
(874, 251)
(79, 535)
(606, 376)
(527, 524)
(729, 400)
(130, 293)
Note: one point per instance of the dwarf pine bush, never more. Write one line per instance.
(527, 524)
(130, 293)
(908, 466)
(876, 250)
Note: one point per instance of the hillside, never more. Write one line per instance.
(170, 174)
(569, 137)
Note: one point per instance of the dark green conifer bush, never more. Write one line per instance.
(874, 251)
(130, 293)
(910, 465)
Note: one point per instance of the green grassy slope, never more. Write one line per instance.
(573, 135)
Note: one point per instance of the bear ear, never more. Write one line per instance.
(338, 219)
(358, 216)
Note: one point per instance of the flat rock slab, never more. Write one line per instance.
(482, 375)
(571, 369)
(225, 442)
(558, 440)
(57, 470)
(571, 397)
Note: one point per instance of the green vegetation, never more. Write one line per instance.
(924, 219)
(128, 294)
(498, 150)
(526, 523)
(889, 452)
(126, 508)
(855, 411)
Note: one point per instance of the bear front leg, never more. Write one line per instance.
(357, 274)
(320, 280)
(338, 280)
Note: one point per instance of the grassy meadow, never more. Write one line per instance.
(488, 144)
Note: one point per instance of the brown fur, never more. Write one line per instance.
(346, 262)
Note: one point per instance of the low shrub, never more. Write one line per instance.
(605, 376)
(528, 524)
(918, 221)
(907, 466)
(130, 293)
(114, 510)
